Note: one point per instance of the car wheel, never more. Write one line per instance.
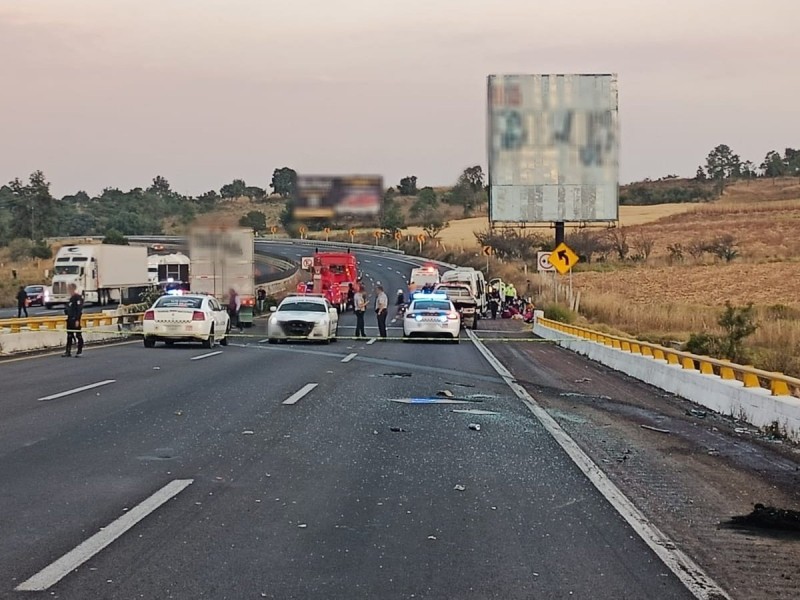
(272, 341)
(209, 342)
(170, 342)
(149, 342)
(48, 306)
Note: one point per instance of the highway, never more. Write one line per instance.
(299, 471)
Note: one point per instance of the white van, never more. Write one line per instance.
(422, 276)
(474, 279)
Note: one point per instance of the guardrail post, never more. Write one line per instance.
(750, 379)
(688, 363)
(658, 354)
(636, 348)
(779, 387)
(672, 358)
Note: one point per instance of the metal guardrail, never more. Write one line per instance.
(89, 321)
(777, 383)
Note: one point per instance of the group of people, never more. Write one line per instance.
(509, 304)
(360, 305)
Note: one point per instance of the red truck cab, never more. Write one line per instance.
(335, 271)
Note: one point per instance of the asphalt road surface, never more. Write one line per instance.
(298, 471)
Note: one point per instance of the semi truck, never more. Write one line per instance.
(103, 273)
(169, 271)
(223, 259)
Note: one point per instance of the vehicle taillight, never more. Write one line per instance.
(452, 315)
(249, 301)
(150, 315)
(410, 315)
(198, 315)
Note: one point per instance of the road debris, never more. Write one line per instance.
(475, 426)
(583, 380)
(156, 368)
(445, 393)
(431, 537)
(656, 429)
(178, 413)
(396, 375)
(459, 488)
(397, 429)
(474, 411)
(700, 414)
(465, 385)
(302, 526)
(768, 517)
(248, 432)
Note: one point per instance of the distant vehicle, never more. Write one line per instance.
(422, 276)
(431, 315)
(36, 294)
(221, 260)
(303, 318)
(189, 318)
(460, 294)
(168, 267)
(475, 280)
(333, 273)
(103, 273)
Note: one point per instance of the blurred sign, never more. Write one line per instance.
(563, 258)
(553, 148)
(398, 236)
(326, 197)
(352, 233)
(307, 263)
(377, 234)
(273, 229)
(302, 229)
(487, 250)
(421, 237)
(543, 262)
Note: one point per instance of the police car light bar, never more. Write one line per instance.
(429, 296)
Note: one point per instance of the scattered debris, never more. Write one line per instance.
(713, 452)
(769, 517)
(248, 432)
(475, 426)
(178, 413)
(656, 429)
(396, 375)
(579, 395)
(445, 393)
(459, 488)
(156, 368)
(474, 411)
(431, 537)
(583, 380)
(374, 432)
(741, 430)
(430, 400)
(494, 508)
(397, 429)
(302, 526)
(700, 414)
(466, 385)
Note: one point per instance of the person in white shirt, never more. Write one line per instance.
(381, 309)
(360, 307)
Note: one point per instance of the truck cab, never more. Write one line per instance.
(476, 282)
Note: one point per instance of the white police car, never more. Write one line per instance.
(431, 315)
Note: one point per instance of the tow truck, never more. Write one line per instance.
(460, 294)
(332, 275)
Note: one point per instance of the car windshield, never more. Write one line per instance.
(33, 289)
(179, 302)
(431, 305)
(302, 306)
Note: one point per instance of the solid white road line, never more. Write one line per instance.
(264, 341)
(53, 573)
(294, 398)
(371, 341)
(349, 357)
(79, 389)
(687, 571)
(202, 356)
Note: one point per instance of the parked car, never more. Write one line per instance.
(303, 318)
(186, 318)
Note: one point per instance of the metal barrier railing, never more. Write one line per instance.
(777, 383)
(89, 321)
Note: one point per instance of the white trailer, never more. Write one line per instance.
(103, 273)
(223, 259)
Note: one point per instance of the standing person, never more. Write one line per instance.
(234, 305)
(22, 302)
(381, 309)
(359, 307)
(74, 311)
(494, 305)
(351, 294)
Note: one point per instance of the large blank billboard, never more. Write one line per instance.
(327, 197)
(553, 143)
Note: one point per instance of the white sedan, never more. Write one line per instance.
(193, 317)
(303, 318)
(431, 315)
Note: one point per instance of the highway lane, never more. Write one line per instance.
(381, 513)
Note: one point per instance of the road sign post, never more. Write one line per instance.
(352, 233)
(421, 240)
(397, 237)
(377, 235)
(302, 231)
(487, 250)
(327, 233)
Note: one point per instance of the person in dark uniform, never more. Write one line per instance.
(494, 304)
(22, 302)
(74, 311)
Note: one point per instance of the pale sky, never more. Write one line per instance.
(103, 93)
